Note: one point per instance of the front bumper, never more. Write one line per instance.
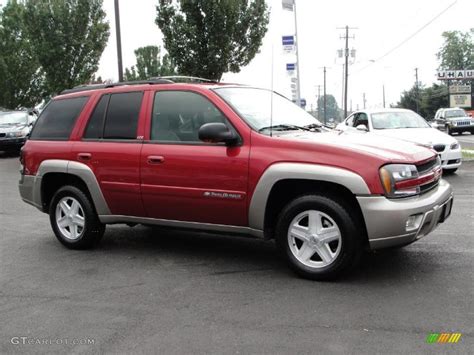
(386, 220)
(451, 159)
(11, 143)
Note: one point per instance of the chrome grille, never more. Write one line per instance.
(431, 166)
(426, 167)
(463, 123)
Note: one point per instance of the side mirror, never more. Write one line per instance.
(217, 133)
(362, 127)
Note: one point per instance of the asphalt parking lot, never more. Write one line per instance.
(155, 291)
(466, 140)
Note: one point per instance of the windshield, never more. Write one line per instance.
(13, 118)
(456, 113)
(398, 119)
(254, 107)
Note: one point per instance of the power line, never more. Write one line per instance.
(409, 37)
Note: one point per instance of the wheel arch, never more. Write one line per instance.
(283, 182)
(53, 174)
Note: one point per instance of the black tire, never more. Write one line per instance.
(449, 171)
(350, 232)
(93, 229)
(449, 131)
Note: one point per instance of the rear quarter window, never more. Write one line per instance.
(58, 118)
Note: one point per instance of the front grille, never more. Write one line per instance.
(428, 187)
(463, 123)
(439, 147)
(3, 135)
(426, 167)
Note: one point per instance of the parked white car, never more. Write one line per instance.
(408, 126)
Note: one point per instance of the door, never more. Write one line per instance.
(185, 179)
(109, 146)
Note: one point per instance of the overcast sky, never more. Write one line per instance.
(381, 26)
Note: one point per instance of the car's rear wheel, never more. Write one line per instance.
(318, 237)
(74, 220)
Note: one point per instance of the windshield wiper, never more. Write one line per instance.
(284, 127)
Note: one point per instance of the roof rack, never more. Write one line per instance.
(112, 85)
(151, 81)
(185, 79)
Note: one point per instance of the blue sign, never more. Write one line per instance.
(303, 102)
(290, 66)
(288, 40)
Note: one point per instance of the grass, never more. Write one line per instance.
(468, 154)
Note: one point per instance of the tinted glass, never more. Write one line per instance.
(178, 115)
(58, 118)
(96, 122)
(122, 116)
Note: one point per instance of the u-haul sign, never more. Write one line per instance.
(456, 74)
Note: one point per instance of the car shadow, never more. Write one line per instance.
(223, 254)
(9, 154)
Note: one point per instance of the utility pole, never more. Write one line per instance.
(319, 98)
(416, 90)
(119, 41)
(343, 81)
(346, 64)
(298, 87)
(363, 99)
(324, 98)
(383, 94)
(324, 92)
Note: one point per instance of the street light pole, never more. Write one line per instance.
(324, 97)
(298, 87)
(119, 40)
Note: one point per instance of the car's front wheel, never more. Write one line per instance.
(318, 237)
(74, 220)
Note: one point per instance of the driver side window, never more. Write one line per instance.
(350, 120)
(178, 115)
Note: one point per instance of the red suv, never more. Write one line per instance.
(229, 159)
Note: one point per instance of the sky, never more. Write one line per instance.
(381, 25)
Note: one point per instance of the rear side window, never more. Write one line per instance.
(96, 122)
(120, 112)
(58, 118)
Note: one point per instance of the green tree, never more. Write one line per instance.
(69, 37)
(332, 110)
(150, 64)
(207, 38)
(457, 51)
(21, 78)
(430, 99)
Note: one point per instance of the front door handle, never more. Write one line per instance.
(155, 159)
(84, 156)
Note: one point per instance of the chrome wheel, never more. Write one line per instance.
(314, 239)
(70, 218)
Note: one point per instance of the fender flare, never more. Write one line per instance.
(286, 171)
(77, 169)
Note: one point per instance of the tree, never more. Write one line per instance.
(457, 51)
(68, 37)
(21, 78)
(430, 99)
(150, 64)
(332, 111)
(207, 38)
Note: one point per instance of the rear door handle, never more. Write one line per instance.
(84, 156)
(155, 159)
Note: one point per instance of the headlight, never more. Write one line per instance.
(399, 180)
(455, 145)
(19, 134)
